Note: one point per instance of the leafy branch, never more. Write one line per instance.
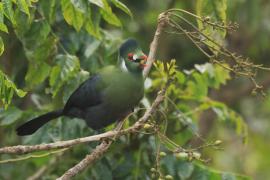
(203, 37)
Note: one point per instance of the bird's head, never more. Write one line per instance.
(131, 56)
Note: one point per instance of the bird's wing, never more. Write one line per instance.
(89, 93)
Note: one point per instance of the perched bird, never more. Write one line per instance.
(105, 97)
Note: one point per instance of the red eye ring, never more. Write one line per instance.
(130, 56)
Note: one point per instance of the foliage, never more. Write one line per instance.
(7, 90)
(58, 44)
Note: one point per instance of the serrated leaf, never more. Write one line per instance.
(108, 15)
(9, 116)
(215, 74)
(200, 88)
(3, 27)
(72, 15)
(122, 6)
(37, 73)
(23, 6)
(66, 68)
(221, 74)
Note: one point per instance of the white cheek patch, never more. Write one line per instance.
(135, 57)
(123, 66)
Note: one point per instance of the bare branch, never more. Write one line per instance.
(162, 21)
(87, 161)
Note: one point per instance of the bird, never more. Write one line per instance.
(106, 97)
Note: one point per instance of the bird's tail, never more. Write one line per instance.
(33, 125)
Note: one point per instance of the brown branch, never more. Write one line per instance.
(23, 149)
(87, 161)
(162, 21)
(91, 158)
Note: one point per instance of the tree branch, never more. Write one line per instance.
(23, 149)
(162, 21)
(87, 161)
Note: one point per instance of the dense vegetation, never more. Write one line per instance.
(213, 122)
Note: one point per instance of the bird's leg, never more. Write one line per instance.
(107, 139)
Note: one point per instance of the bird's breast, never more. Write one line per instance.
(124, 92)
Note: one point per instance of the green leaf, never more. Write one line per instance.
(42, 52)
(81, 5)
(203, 172)
(66, 68)
(7, 89)
(8, 11)
(198, 87)
(99, 3)
(72, 15)
(9, 116)
(92, 23)
(215, 74)
(23, 6)
(48, 9)
(3, 27)
(37, 73)
(216, 10)
(228, 115)
(2, 46)
(122, 6)
(108, 15)
(23, 23)
(38, 30)
(91, 48)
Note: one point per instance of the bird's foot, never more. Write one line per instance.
(108, 139)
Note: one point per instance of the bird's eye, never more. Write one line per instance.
(130, 56)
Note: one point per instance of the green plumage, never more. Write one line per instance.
(105, 97)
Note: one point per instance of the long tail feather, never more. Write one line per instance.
(33, 125)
